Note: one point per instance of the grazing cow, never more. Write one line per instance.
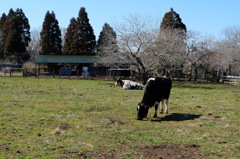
(127, 84)
(156, 90)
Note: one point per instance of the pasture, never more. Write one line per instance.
(63, 118)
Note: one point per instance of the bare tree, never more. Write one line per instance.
(229, 50)
(201, 52)
(148, 51)
(192, 53)
(34, 45)
(145, 49)
(216, 57)
(137, 39)
(171, 49)
(63, 32)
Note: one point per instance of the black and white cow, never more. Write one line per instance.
(128, 84)
(156, 90)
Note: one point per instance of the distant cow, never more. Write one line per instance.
(156, 90)
(128, 84)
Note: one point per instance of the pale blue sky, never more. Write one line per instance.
(206, 16)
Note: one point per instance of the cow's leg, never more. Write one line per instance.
(166, 106)
(156, 108)
(161, 106)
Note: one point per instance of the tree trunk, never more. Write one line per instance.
(195, 77)
(144, 77)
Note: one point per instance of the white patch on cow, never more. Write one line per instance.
(130, 84)
(150, 79)
(162, 104)
(126, 85)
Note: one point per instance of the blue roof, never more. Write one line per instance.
(65, 59)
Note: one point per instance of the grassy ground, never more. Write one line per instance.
(62, 118)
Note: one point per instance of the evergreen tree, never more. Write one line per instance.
(2, 21)
(172, 20)
(83, 38)
(107, 41)
(68, 39)
(51, 42)
(15, 33)
(24, 29)
(13, 43)
(5, 31)
(19, 33)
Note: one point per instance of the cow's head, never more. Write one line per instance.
(120, 82)
(142, 111)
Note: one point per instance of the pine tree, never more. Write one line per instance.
(13, 43)
(172, 20)
(5, 31)
(107, 41)
(2, 21)
(15, 33)
(19, 33)
(51, 42)
(83, 39)
(24, 29)
(68, 39)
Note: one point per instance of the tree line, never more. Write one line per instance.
(136, 42)
(15, 36)
(170, 49)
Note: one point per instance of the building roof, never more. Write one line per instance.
(65, 59)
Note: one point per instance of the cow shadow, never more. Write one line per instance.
(177, 117)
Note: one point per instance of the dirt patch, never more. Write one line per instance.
(163, 151)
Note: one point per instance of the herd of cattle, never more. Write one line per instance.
(156, 91)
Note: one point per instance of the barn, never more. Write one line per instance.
(68, 65)
(75, 65)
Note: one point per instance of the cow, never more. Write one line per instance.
(128, 84)
(156, 90)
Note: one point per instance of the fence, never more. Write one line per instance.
(231, 79)
(11, 72)
(63, 71)
(19, 72)
(186, 77)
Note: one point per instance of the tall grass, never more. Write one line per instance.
(53, 118)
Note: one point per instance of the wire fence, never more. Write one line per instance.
(6, 72)
(41, 72)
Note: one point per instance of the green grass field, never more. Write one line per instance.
(62, 118)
